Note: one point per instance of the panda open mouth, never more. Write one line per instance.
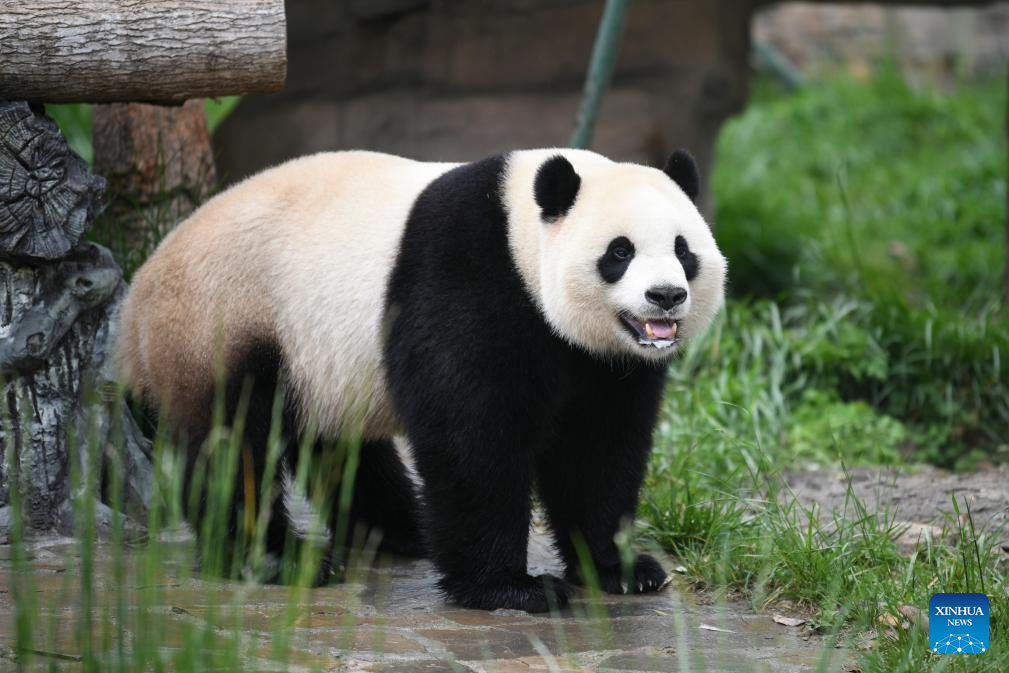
(651, 332)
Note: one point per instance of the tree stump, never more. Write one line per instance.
(59, 301)
(159, 165)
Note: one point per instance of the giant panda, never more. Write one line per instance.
(513, 317)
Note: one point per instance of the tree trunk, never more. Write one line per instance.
(159, 165)
(59, 299)
(164, 51)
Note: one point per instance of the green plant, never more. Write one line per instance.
(873, 213)
(866, 186)
(75, 122)
(820, 421)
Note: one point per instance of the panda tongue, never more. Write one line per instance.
(662, 329)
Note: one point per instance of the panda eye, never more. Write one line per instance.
(682, 250)
(620, 249)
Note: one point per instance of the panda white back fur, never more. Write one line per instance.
(512, 316)
(301, 254)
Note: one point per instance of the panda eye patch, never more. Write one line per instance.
(687, 259)
(681, 247)
(613, 264)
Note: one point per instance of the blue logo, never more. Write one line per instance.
(958, 623)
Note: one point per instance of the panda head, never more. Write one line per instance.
(617, 255)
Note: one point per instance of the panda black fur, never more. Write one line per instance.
(513, 317)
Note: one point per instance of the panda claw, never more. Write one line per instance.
(649, 576)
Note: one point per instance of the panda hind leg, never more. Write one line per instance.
(254, 381)
(384, 503)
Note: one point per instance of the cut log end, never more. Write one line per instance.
(47, 194)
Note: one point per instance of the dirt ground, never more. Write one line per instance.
(920, 498)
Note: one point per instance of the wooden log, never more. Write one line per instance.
(49, 335)
(140, 50)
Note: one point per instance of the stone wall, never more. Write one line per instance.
(457, 80)
(927, 42)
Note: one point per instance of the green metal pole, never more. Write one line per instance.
(769, 57)
(604, 56)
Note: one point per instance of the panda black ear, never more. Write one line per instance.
(556, 187)
(682, 168)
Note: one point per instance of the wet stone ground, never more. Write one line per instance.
(389, 617)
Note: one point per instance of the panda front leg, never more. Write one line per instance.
(477, 514)
(473, 453)
(590, 476)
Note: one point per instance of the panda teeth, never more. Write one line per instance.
(658, 343)
(649, 332)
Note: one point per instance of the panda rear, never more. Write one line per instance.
(480, 309)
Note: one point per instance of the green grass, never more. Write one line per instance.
(882, 207)
(75, 122)
(866, 187)
(111, 611)
(753, 400)
(864, 224)
(737, 533)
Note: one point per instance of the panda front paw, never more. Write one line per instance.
(518, 591)
(646, 576)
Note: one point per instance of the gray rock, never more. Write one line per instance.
(42, 303)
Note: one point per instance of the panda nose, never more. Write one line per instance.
(666, 296)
